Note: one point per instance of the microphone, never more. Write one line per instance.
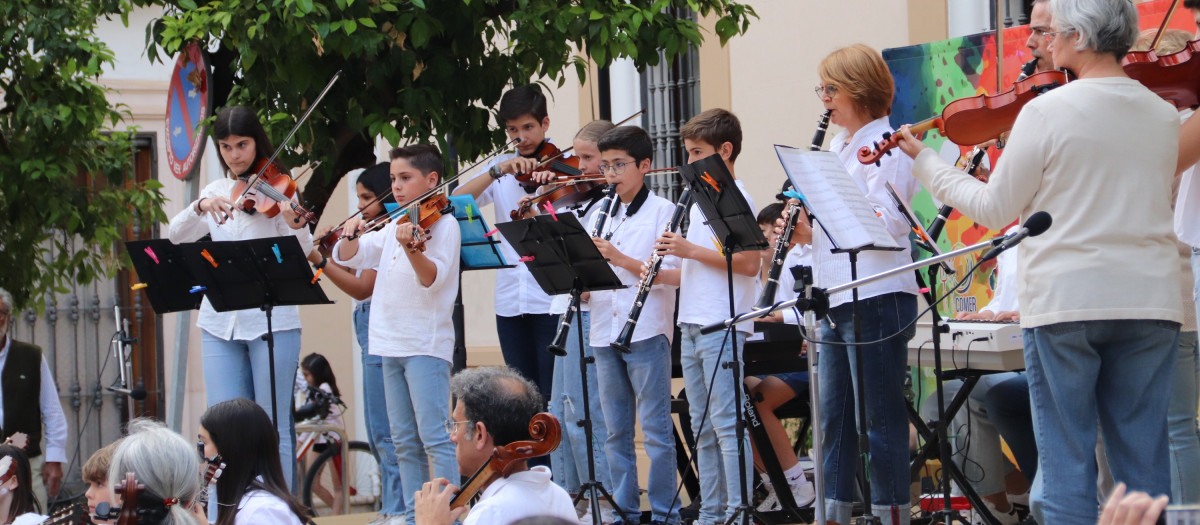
(1037, 224)
(137, 394)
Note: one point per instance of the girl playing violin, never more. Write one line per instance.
(17, 504)
(234, 353)
(251, 490)
(410, 325)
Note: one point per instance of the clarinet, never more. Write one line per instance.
(935, 228)
(781, 242)
(643, 290)
(607, 206)
(1028, 69)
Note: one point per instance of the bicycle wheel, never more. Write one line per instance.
(362, 472)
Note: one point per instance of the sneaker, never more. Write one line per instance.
(586, 517)
(769, 503)
(379, 519)
(803, 493)
(1005, 518)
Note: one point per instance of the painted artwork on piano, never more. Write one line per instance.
(929, 76)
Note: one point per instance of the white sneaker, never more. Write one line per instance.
(1005, 518)
(379, 519)
(803, 493)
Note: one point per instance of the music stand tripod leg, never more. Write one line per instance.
(589, 486)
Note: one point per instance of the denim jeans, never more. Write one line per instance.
(570, 402)
(1117, 373)
(638, 384)
(1009, 409)
(523, 342)
(234, 369)
(713, 412)
(417, 390)
(379, 432)
(885, 368)
(1182, 435)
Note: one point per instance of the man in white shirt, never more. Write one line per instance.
(24, 375)
(493, 409)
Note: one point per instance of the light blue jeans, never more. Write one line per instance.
(417, 390)
(1117, 373)
(885, 368)
(713, 411)
(638, 385)
(379, 432)
(571, 458)
(241, 369)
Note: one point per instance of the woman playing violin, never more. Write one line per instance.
(234, 353)
(1099, 291)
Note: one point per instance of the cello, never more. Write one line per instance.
(545, 433)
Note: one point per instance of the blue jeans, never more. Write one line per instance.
(1117, 373)
(570, 402)
(638, 384)
(379, 432)
(1007, 404)
(885, 368)
(523, 342)
(1182, 434)
(241, 369)
(417, 390)
(713, 413)
(975, 437)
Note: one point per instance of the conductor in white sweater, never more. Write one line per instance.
(1099, 291)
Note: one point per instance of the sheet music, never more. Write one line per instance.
(835, 199)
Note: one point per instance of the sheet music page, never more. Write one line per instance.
(834, 198)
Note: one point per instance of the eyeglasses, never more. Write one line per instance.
(1051, 35)
(452, 424)
(1039, 31)
(615, 168)
(828, 90)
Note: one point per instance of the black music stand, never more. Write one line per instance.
(160, 266)
(563, 259)
(255, 273)
(729, 216)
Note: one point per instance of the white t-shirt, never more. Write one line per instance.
(1004, 298)
(259, 507)
(517, 292)
(832, 269)
(187, 226)
(408, 319)
(521, 495)
(1099, 155)
(703, 289)
(798, 255)
(1187, 203)
(634, 236)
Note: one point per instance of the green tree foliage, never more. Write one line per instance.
(65, 200)
(414, 70)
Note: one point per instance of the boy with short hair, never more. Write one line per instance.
(524, 324)
(705, 300)
(95, 473)
(410, 323)
(637, 382)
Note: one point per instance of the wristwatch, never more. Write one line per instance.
(495, 172)
(321, 265)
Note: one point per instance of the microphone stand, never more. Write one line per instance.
(120, 346)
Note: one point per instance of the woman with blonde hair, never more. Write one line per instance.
(857, 88)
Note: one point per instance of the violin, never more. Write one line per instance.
(1174, 77)
(76, 514)
(975, 120)
(129, 489)
(271, 187)
(569, 192)
(545, 433)
(550, 158)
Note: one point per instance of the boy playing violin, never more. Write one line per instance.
(523, 320)
(410, 322)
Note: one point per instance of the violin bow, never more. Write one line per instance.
(565, 151)
(253, 180)
(1163, 26)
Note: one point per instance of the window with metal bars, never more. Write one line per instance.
(671, 91)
